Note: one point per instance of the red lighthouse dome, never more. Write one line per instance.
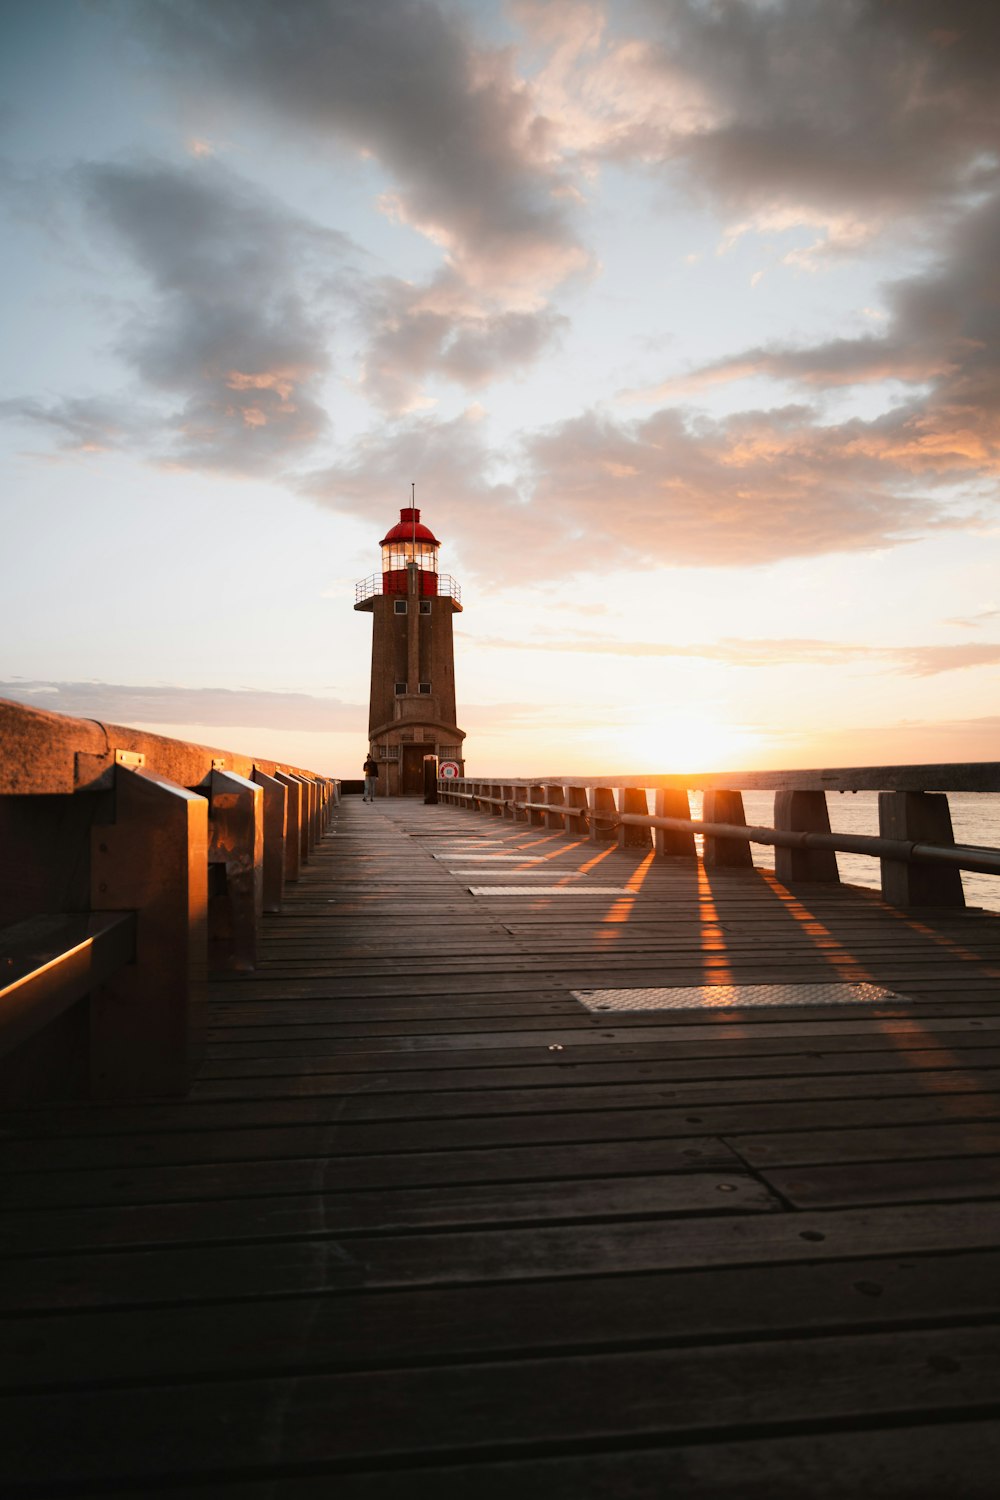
(408, 528)
(409, 543)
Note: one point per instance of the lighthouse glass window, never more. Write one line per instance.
(399, 555)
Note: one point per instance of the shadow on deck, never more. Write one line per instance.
(428, 1222)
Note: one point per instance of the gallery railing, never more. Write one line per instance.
(920, 860)
(444, 587)
(131, 865)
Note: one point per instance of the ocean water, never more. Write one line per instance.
(975, 818)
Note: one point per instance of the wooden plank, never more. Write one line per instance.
(885, 1143)
(715, 1042)
(322, 1213)
(911, 1181)
(797, 1127)
(162, 1276)
(501, 1407)
(894, 1463)
(257, 1102)
(255, 1177)
(385, 1329)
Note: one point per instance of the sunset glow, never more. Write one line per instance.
(679, 316)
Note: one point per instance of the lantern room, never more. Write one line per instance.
(409, 542)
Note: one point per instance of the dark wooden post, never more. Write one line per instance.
(632, 835)
(520, 794)
(236, 849)
(293, 824)
(921, 818)
(671, 803)
(725, 807)
(507, 793)
(576, 796)
(536, 794)
(430, 780)
(496, 808)
(275, 814)
(312, 803)
(603, 816)
(147, 1025)
(304, 844)
(803, 812)
(556, 796)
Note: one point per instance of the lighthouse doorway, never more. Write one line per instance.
(412, 777)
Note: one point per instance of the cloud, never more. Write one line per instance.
(927, 661)
(404, 81)
(918, 661)
(234, 338)
(455, 127)
(973, 622)
(749, 489)
(244, 708)
(437, 329)
(453, 468)
(85, 424)
(846, 116)
(942, 340)
(596, 493)
(230, 338)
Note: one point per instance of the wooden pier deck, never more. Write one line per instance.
(428, 1225)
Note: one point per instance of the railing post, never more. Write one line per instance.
(725, 807)
(430, 780)
(236, 848)
(507, 793)
(556, 796)
(519, 794)
(603, 816)
(630, 835)
(536, 794)
(275, 814)
(312, 806)
(147, 1025)
(305, 843)
(293, 824)
(920, 818)
(803, 812)
(669, 802)
(576, 796)
(496, 810)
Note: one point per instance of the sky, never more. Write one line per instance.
(683, 317)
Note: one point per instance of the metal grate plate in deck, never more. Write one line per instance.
(550, 890)
(490, 858)
(737, 996)
(481, 874)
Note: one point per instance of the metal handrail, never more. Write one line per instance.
(980, 860)
(372, 587)
(965, 856)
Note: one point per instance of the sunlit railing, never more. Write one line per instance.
(920, 860)
(369, 588)
(135, 864)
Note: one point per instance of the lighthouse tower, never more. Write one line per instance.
(412, 710)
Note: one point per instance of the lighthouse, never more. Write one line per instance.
(412, 707)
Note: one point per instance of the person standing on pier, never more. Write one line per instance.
(371, 779)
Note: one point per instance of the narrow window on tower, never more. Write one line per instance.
(400, 689)
(399, 605)
(425, 606)
(425, 687)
